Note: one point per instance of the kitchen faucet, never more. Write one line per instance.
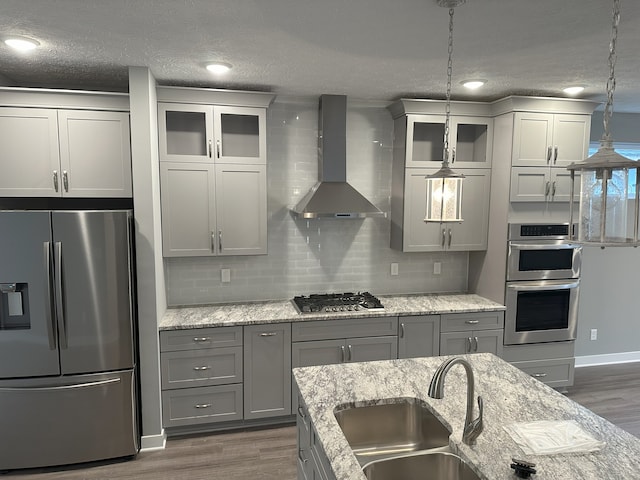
(472, 428)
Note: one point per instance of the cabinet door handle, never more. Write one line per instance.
(302, 414)
(538, 375)
(199, 369)
(475, 344)
(553, 189)
(444, 237)
(549, 150)
(402, 330)
(220, 241)
(201, 339)
(555, 154)
(472, 322)
(203, 405)
(453, 155)
(55, 180)
(210, 148)
(268, 334)
(65, 180)
(213, 241)
(469, 343)
(350, 353)
(303, 460)
(546, 189)
(218, 148)
(343, 353)
(450, 235)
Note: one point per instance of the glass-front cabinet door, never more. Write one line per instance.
(470, 141)
(240, 135)
(185, 132)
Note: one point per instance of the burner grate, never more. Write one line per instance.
(336, 302)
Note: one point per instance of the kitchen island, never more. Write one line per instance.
(510, 396)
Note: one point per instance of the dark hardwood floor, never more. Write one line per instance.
(611, 391)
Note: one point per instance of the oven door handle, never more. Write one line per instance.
(544, 246)
(543, 285)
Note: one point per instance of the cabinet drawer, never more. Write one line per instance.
(555, 373)
(196, 338)
(191, 406)
(460, 322)
(538, 351)
(345, 328)
(215, 366)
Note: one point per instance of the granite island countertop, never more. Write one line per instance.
(223, 315)
(510, 396)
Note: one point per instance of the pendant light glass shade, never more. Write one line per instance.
(608, 214)
(444, 196)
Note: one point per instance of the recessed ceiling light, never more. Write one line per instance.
(573, 90)
(219, 67)
(22, 44)
(473, 84)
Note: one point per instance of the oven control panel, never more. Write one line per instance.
(539, 231)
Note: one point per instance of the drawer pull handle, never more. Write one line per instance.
(472, 322)
(204, 367)
(302, 413)
(201, 339)
(203, 405)
(539, 375)
(268, 334)
(302, 459)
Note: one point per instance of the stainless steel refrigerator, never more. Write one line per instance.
(67, 339)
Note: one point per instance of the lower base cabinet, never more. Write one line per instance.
(191, 406)
(312, 461)
(419, 336)
(552, 363)
(472, 333)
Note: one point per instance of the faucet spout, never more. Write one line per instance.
(472, 427)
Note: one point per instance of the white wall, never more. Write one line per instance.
(331, 255)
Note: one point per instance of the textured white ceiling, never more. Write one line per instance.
(368, 49)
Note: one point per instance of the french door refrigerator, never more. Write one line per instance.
(67, 346)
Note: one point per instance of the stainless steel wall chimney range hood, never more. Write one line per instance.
(332, 196)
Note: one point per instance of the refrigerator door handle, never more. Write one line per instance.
(51, 330)
(63, 387)
(62, 324)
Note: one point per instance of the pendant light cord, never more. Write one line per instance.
(447, 108)
(611, 82)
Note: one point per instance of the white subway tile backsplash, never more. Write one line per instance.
(323, 255)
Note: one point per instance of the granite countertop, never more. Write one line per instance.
(510, 396)
(283, 311)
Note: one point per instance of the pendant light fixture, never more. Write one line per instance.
(607, 215)
(444, 188)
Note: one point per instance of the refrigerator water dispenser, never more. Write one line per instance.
(14, 306)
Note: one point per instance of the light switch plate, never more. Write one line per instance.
(225, 275)
(394, 269)
(437, 268)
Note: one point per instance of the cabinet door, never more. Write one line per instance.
(561, 186)
(472, 233)
(530, 184)
(267, 370)
(319, 352)
(185, 132)
(419, 336)
(570, 139)
(241, 209)
(240, 135)
(488, 341)
(532, 139)
(95, 153)
(29, 157)
(456, 343)
(471, 142)
(188, 210)
(372, 348)
(418, 236)
(425, 140)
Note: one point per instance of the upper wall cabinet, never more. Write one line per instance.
(200, 125)
(51, 152)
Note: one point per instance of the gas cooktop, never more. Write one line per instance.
(336, 302)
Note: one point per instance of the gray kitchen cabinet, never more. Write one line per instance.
(480, 332)
(552, 363)
(541, 184)
(64, 153)
(212, 133)
(410, 233)
(210, 210)
(419, 336)
(201, 376)
(267, 370)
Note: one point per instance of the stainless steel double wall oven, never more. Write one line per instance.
(543, 280)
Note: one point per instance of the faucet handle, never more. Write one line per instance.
(475, 427)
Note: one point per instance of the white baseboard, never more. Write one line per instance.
(607, 359)
(149, 443)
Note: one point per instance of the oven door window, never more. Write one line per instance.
(536, 260)
(542, 310)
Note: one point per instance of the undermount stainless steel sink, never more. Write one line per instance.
(387, 430)
(422, 466)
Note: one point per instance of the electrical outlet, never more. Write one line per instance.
(225, 275)
(394, 269)
(437, 268)
(594, 334)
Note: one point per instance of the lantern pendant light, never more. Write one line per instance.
(607, 215)
(444, 188)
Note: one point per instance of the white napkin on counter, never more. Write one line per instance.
(552, 436)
